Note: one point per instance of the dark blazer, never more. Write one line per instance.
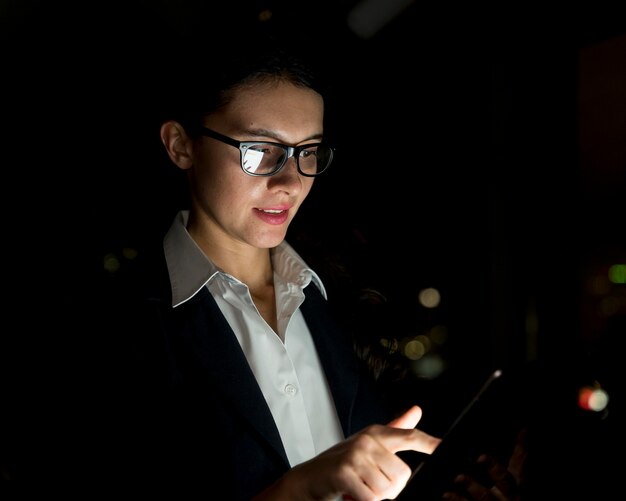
(188, 415)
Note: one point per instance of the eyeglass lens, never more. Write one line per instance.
(263, 159)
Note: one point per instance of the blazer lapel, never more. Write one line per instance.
(336, 355)
(219, 354)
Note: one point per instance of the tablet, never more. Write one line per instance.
(475, 431)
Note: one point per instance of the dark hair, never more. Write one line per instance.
(212, 76)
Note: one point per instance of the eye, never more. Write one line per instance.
(262, 148)
(308, 153)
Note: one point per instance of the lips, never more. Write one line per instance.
(272, 216)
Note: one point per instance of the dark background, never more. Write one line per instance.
(481, 152)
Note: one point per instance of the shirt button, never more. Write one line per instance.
(290, 390)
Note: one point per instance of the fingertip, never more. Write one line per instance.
(409, 419)
(418, 411)
(416, 414)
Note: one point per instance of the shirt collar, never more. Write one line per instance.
(190, 269)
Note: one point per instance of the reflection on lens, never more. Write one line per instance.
(252, 159)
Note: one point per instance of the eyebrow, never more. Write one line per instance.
(277, 137)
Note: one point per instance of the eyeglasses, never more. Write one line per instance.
(264, 158)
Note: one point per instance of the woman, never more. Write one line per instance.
(244, 386)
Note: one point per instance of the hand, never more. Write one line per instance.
(365, 466)
(503, 483)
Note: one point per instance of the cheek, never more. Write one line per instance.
(210, 188)
(222, 192)
(307, 185)
(215, 175)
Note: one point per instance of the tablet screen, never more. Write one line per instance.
(472, 433)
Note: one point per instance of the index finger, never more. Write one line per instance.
(400, 439)
(420, 441)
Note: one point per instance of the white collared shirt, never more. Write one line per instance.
(285, 363)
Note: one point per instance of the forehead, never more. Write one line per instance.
(274, 96)
(275, 99)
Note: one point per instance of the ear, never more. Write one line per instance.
(178, 144)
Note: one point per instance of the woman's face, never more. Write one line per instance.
(233, 207)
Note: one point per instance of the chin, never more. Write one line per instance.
(270, 241)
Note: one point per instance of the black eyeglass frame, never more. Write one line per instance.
(291, 151)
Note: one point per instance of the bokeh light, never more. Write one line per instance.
(429, 297)
(617, 273)
(592, 398)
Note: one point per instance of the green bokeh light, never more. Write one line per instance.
(617, 273)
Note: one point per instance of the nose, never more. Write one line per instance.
(287, 178)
